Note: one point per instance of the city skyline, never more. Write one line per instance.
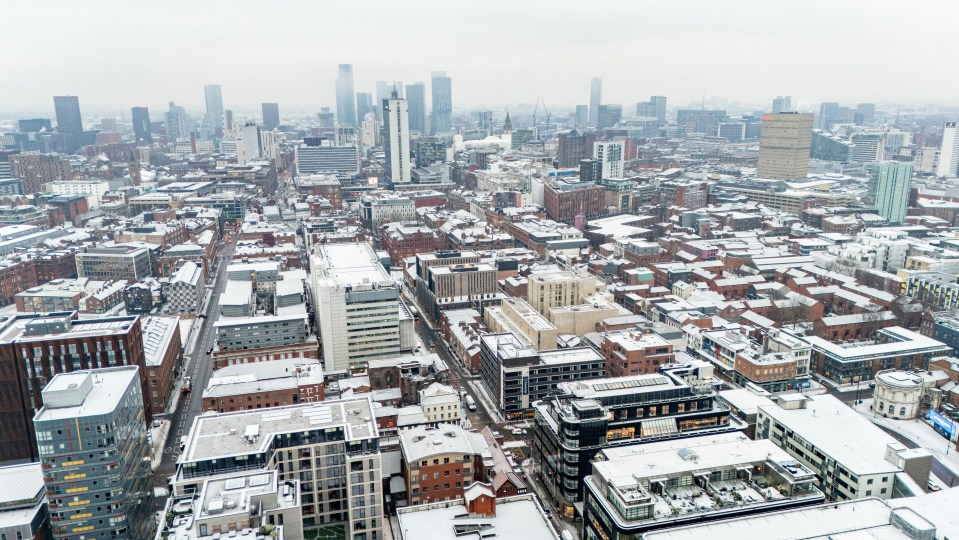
(750, 58)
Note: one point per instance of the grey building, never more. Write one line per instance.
(429, 150)
(271, 115)
(186, 288)
(416, 97)
(23, 503)
(68, 115)
(321, 157)
(142, 130)
(829, 147)
(92, 443)
(516, 376)
(699, 121)
(660, 102)
(609, 116)
(364, 106)
(213, 120)
(595, 98)
(118, 262)
(257, 332)
(442, 88)
(345, 104)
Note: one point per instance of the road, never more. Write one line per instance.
(941, 471)
(199, 368)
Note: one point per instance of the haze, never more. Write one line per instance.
(117, 54)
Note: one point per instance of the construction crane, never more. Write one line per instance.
(548, 116)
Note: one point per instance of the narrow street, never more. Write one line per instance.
(198, 367)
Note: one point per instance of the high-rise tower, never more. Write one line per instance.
(442, 87)
(345, 99)
(416, 98)
(214, 110)
(784, 145)
(595, 97)
(396, 139)
(141, 125)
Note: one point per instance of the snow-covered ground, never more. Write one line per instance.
(918, 431)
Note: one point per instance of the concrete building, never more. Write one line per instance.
(297, 442)
(257, 332)
(271, 115)
(690, 121)
(396, 139)
(905, 395)
(129, 263)
(586, 416)
(784, 146)
(516, 375)
(439, 462)
(377, 210)
(782, 104)
(317, 156)
(852, 457)
(101, 409)
(24, 513)
(516, 317)
(889, 186)
(185, 292)
(356, 302)
(636, 489)
(595, 98)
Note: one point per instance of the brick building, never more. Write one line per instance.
(566, 200)
(163, 353)
(633, 353)
(406, 239)
(264, 384)
(438, 462)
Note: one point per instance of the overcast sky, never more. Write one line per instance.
(114, 54)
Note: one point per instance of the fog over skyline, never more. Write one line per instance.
(114, 55)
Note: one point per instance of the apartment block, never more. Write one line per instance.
(120, 262)
(632, 353)
(439, 462)
(273, 383)
(330, 447)
(559, 288)
(92, 442)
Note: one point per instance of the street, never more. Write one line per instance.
(198, 367)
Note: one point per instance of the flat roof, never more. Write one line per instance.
(157, 336)
(837, 431)
(264, 376)
(419, 442)
(516, 517)
(20, 483)
(350, 264)
(909, 342)
(109, 386)
(633, 384)
(265, 319)
(222, 434)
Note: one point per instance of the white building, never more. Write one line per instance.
(852, 457)
(611, 156)
(93, 190)
(949, 152)
(326, 158)
(441, 403)
(901, 395)
(396, 139)
(357, 305)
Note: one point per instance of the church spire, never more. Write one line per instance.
(507, 125)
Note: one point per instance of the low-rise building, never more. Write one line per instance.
(904, 395)
(632, 353)
(257, 385)
(24, 514)
(476, 511)
(185, 292)
(441, 403)
(439, 462)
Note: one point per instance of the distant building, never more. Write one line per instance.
(214, 110)
(595, 99)
(699, 121)
(829, 147)
(320, 156)
(416, 97)
(784, 146)
(67, 109)
(101, 409)
(33, 170)
(345, 98)
(889, 186)
(611, 156)
(564, 200)
(142, 127)
(396, 139)
(782, 104)
(120, 262)
(609, 116)
(442, 89)
(948, 163)
(271, 115)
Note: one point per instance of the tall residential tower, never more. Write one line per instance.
(345, 99)
(442, 88)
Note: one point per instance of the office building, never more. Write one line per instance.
(829, 114)
(633, 353)
(732, 131)
(889, 184)
(852, 457)
(609, 116)
(574, 146)
(396, 139)
(829, 147)
(246, 333)
(213, 96)
(948, 164)
(516, 375)
(320, 156)
(177, 123)
(595, 99)
(345, 98)
(784, 146)
(866, 147)
(67, 110)
(334, 444)
(416, 96)
(564, 201)
(271, 115)
(456, 286)
(782, 104)
(690, 121)
(646, 109)
(273, 383)
(34, 125)
(636, 489)
(865, 114)
(611, 156)
(430, 151)
(104, 493)
(118, 262)
(442, 89)
(581, 116)
(364, 106)
(583, 417)
(357, 310)
(660, 103)
(142, 128)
